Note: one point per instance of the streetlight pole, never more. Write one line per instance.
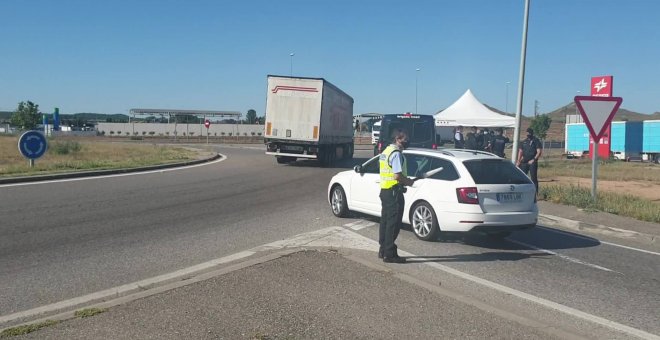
(521, 85)
(291, 55)
(416, 73)
(507, 97)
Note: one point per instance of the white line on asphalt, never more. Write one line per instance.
(565, 257)
(352, 223)
(603, 242)
(223, 157)
(123, 289)
(361, 224)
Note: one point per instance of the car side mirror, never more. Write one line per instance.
(358, 169)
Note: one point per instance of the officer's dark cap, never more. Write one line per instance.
(530, 130)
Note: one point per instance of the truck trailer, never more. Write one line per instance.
(307, 118)
(626, 139)
(651, 141)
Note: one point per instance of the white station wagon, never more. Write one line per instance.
(474, 191)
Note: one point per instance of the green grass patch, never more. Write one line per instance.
(87, 312)
(65, 147)
(614, 203)
(25, 329)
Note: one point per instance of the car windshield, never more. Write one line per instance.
(495, 171)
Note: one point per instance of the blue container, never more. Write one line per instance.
(577, 137)
(626, 137)
(651, 136)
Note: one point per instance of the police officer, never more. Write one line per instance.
(528, 157)
(459, 141)
(471, 139)
(499, 142)
(393, 178)
(488, 140)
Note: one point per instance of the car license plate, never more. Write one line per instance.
(509, 197)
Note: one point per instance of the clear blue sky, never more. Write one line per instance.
(110, 56)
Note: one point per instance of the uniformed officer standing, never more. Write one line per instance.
(459, 141)
(393, 178)
(499, 142)
(471, 139)
(528, 157)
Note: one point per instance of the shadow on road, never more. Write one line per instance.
(522, 240)
(483, 257)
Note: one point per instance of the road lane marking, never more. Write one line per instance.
(525, 296)
(338, 237)
(222, 158)
(123, 289)
(603, 242)
(565, 257)
(360, 224)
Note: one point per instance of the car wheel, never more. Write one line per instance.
(424, 222)
(338, 202)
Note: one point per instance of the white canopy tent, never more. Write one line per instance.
(468, 111)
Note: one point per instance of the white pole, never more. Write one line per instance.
(521, 84)
(291, 55)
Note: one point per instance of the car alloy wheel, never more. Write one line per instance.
(424, 222)
(338, 202)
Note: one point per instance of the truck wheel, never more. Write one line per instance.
(348, 151)
(323, 156)
(285, 159)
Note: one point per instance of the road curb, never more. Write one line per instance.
(551, 220)
(40, 178)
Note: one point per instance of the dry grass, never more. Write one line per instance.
(76, 155)
(608, 170)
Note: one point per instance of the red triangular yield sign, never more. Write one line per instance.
(597, 112)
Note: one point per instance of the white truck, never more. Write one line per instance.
(307, 118)
(375, 133)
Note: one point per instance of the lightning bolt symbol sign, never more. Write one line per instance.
(600, 85)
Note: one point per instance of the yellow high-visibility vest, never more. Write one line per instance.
(387, 180)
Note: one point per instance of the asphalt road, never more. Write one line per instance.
(66, 239)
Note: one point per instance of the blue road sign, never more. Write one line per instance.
(32, 144)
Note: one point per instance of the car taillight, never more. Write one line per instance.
(434, 146)
(467, 195)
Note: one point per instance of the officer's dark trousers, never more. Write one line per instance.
(531, 170)
(390, 221)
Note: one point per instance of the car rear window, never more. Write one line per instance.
(495, 171)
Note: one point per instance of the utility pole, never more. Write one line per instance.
(536, 108)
